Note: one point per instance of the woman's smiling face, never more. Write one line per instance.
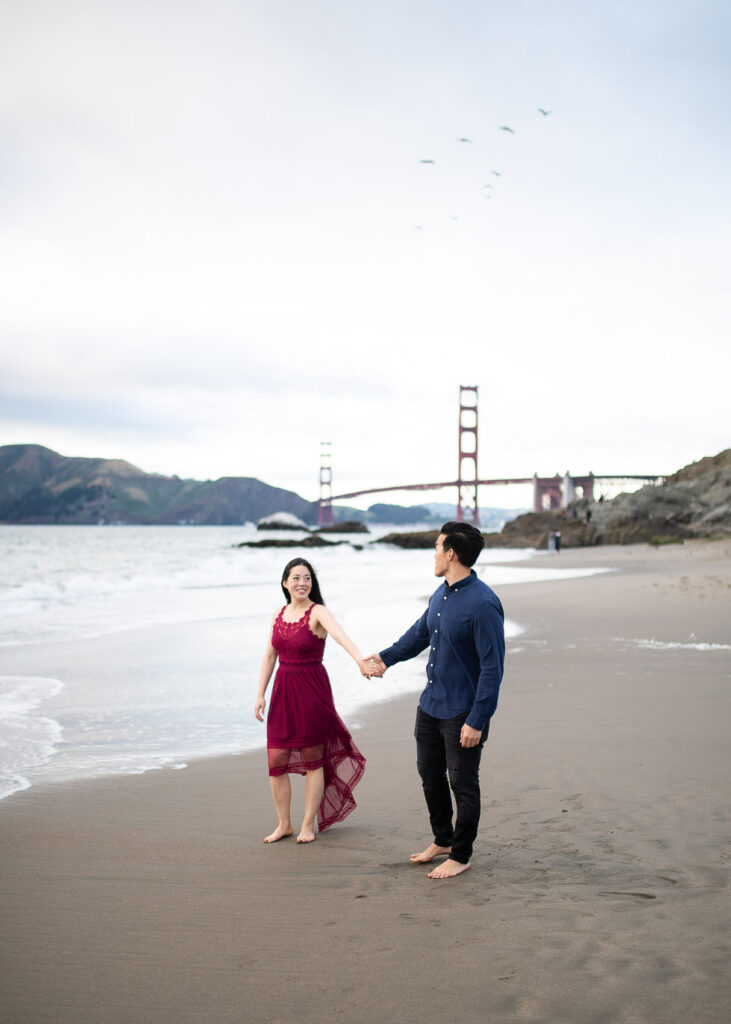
(299, 582)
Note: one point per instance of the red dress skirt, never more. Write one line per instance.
(304, 731)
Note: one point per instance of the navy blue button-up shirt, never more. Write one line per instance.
(463, 627)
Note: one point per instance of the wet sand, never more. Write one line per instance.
(598, 890)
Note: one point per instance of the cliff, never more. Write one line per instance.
(694, 502)
(38, 485)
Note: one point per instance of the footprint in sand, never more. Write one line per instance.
(637, 895)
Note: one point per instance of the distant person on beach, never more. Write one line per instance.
(305, 734)
(464, 630)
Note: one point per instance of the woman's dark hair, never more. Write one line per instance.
(465, 540)
(315, 594)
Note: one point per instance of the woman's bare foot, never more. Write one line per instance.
(449, 869)
(280, 832)
(307, 834)
(430, 853)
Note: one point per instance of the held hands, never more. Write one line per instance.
(259, 708)
(372, 666)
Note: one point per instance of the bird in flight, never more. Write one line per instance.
(464, 140)
(544, 112)
(507, 128)
(496, 173)
(427, 161)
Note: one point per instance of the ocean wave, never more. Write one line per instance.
(28, 739)
(674, 645)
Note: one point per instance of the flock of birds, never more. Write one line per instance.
(487, 194)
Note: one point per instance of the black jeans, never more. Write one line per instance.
(443, 763)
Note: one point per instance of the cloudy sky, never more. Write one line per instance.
(220, 244)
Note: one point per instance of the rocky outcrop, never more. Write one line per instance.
(694, 502)
(532, 530)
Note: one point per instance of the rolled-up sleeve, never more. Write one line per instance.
(413, 642)
(489, 636)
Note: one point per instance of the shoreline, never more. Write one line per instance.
(51, 690)
(598, 890)
(624, 558)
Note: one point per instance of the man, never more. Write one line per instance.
(463, 628)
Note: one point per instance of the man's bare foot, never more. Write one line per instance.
(280, 832)
(430, 853)
(449, 869)
(307, 835)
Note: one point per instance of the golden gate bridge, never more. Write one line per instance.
(549, 492)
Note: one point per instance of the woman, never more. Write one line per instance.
(304, 732)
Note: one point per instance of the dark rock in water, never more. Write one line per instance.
(423, 539)
(348, 526)
(311, 541)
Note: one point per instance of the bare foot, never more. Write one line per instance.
(449, 869)
(280, 832)
(307, 834)
(430, 853)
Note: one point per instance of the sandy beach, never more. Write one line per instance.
(598, 889)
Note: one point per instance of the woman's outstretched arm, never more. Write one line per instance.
(322, 617)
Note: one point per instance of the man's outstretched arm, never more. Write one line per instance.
(413, 642)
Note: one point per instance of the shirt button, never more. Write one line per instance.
(444, 599)
(438, 614)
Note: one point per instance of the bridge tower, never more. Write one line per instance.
(324, 505)
(467, 476)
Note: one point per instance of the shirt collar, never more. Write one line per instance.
(462, 583)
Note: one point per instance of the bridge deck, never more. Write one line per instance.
(649, 477)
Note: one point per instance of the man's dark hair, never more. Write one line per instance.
(465, 540)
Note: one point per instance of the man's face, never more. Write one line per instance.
(441, 557)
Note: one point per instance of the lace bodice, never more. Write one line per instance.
(294, 642)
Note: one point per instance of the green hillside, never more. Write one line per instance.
(37, 485)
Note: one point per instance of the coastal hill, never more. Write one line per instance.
(38, 485)
(694, 502)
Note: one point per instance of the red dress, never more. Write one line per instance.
(304, 731)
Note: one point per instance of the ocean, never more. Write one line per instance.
(130, 649)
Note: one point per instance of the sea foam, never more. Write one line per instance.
(27, 739)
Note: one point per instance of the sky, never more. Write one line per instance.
(221, 244)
